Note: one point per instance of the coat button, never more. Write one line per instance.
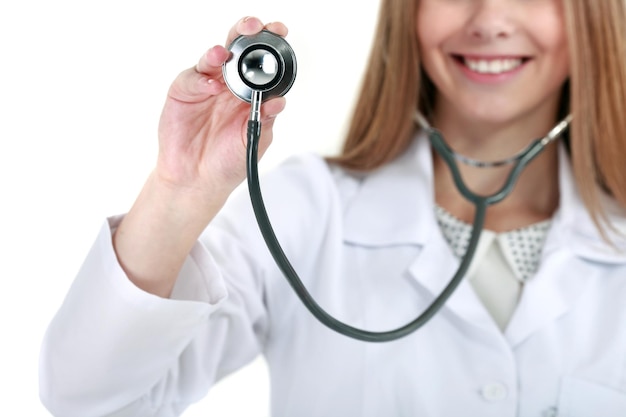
(551, 412)
(494, 391)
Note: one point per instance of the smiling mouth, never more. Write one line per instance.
(492, 66)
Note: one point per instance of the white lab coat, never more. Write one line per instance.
(369, 249)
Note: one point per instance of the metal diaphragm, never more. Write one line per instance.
(263, 62)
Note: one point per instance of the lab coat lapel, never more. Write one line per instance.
(434, 268)
(436, 264)
(549, 295)
(572, 256)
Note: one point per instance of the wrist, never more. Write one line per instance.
(155, 237)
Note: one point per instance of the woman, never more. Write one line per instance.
(173, 296)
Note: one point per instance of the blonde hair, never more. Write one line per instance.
(394, 86)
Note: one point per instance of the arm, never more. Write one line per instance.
(201, 160)
(118, 346)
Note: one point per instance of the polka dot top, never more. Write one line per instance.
(501, 264)
(520, 247)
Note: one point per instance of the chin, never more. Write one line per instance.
(493, 116)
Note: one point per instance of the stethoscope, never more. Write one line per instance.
(264, 66)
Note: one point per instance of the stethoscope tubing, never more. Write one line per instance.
(258, 205)
(280, 49)
(519, 164)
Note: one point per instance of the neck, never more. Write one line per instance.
(535, 195)
(491, 140)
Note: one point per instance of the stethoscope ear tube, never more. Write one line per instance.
(519, 164)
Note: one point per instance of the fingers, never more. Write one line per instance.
(271, 108)
(269, 111)
(251, 25)
(206, 79)
(246, 26)
(203, 80)
(192, 87)
(278, 28)
(211, 62)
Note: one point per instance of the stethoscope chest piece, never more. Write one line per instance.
(263, 63)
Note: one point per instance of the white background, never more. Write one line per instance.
(81, 88)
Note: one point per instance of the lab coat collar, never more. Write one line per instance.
(574, 254)
(394, 205)
(574, 228)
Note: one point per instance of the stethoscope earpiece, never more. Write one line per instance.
(263, 63)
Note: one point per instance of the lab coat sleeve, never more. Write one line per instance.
(113, 349)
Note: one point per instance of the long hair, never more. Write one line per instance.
(382, 122)
(597, 38)
(394, 86)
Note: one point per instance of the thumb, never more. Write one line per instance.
(271, 109)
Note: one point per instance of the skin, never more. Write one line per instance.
(201, 160)
(490, 118)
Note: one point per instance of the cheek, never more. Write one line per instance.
(562, 51)
(430, 37)
(431, 29)
(438, 23)
(562, 64)
(424, 35)
(552, 38)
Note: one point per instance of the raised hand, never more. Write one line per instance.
(202, 159)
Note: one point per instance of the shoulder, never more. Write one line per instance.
(304, 169)
(616, 224)
(574, 225)
(306, 193)
(604, 245)
(299, 195)
(305, 182)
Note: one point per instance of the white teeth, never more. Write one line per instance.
(493, 66)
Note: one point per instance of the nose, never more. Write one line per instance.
(490, 20)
